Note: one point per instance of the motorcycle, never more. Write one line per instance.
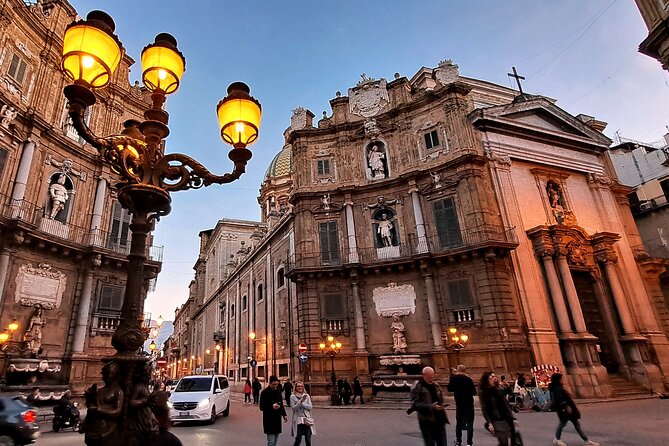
(66, 416)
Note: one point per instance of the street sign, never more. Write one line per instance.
(161, 362)
(253, 363)
(302, 348)
(303, 358)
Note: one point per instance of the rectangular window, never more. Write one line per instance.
(334, 306)
(119, 232)
(111, 298)
(261, 371)
(3, 160)
(460, 293)
(17, 69)
(446, 220)
(329, 237)
(283, 369)
(323, 167)
(663, 184)
(431, 139)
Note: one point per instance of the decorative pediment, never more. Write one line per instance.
(539, 115)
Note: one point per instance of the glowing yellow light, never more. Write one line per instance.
(252, 335)
(162, 74)
(464, 338)
(239, 127)
(208, 352)
(87, 62)
(321, 345)
(218, 347)
(330, 338)
(338, 344)
(13, 325)
(239, 116)
(453, 330)
(4, 336)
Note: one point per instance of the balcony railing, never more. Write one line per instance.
(104, 324)
(33, 214)
(334, 326)
(478, 237)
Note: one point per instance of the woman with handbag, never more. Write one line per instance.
(566, 411)
(303, 422)
(496, 411)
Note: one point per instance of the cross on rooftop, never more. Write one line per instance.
(518, 79)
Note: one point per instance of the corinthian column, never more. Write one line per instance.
(350, 231)
(21, 179)
(98, 208)
(433, 310)
(609, 259)
(81, 328)
(360, 345)
(556, 294)
(418, 217)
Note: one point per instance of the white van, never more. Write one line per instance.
(200, 397)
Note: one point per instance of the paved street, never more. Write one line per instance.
(633, 423)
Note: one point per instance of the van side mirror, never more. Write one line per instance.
(218, 391)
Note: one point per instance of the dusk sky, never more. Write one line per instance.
(300, 53)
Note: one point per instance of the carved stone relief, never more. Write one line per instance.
(65, 166)
(447, 72)
(39, 286)
(8, 114)
(394, 300)
(368, 98)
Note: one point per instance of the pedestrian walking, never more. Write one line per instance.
(303, 421)
(357, 390)
(495, 409)
(347, 391)
(340, 391)
(566, 411)
(247, 392)
(271, 405)
(427, 399)
(287, 390)
(256, 387)
(463, 389)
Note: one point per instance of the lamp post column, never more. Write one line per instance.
(334, 395)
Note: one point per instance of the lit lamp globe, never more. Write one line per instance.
(91, 50)
(160, 321)
(252, 336)
(464, 338)
(239, 119)
(208, 352)
(4, 337)
(338, 344)
(321, 345)
(162, 64)
(218, 348)
(152, 346)
(13, 326)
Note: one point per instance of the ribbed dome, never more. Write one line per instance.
(281, 164)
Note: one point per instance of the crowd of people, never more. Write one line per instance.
(427, 400)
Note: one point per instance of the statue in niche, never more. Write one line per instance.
(385, 230)
(58, 195)
(376, 161)
(326, 201)
(8, 114)
(33, 334)
(105, 405)
(554, 195)
(399, 340)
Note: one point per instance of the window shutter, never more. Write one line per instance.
(435, 138)
(115, 228)
(22, 72)
(334, 306)
(460, 293)
(111, 298)
(13, 66)
(326, 167)
(320, 167)
(428, 141)
(329, 238)
(446, 219)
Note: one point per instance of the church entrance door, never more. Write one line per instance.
(594, 318)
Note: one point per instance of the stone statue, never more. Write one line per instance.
(375, 158)
(58, 195)
(141, 422)
(8, 114)
(399, 340)
(436, 179)
(101, 425)
(554, 195)
(385, 230)
(34, 332)
(326, 201)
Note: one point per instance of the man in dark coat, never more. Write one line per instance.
(428, 400)
(271, 405)
(256, 387)
(357, 390)
(287, 391)
(463, 389)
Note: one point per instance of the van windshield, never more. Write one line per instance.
(194, 384)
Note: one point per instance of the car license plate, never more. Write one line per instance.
(183, 414)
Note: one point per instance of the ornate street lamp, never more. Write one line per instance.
(91, 53)
(331, 347)
(456, 342)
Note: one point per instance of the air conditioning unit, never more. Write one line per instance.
(646, 205)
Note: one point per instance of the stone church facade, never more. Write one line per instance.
(63, 235)
(441, 202)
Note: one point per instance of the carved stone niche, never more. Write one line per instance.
(554, 193)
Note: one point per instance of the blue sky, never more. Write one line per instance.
(300, 53)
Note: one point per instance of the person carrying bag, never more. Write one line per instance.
(303, 421)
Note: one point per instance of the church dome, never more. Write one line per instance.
(281, 165)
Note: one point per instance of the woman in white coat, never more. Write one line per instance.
(303, 422)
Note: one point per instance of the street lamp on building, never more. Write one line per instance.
(91, 54)
(456, 342)
(6, 337)
(331, 347)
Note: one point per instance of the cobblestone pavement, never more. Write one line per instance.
(622, 423)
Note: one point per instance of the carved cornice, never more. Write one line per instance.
(598, 180)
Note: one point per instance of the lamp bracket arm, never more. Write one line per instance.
(76, 111)
(176, 171)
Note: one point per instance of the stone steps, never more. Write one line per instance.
(625, 388)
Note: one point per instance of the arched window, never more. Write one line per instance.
(244, 303)
(259, 296)
(232, 311)
(280, 278)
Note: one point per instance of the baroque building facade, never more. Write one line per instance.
(435, 202)
(655, 14)
(63, 235)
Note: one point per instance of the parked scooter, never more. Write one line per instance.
(66, 416)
